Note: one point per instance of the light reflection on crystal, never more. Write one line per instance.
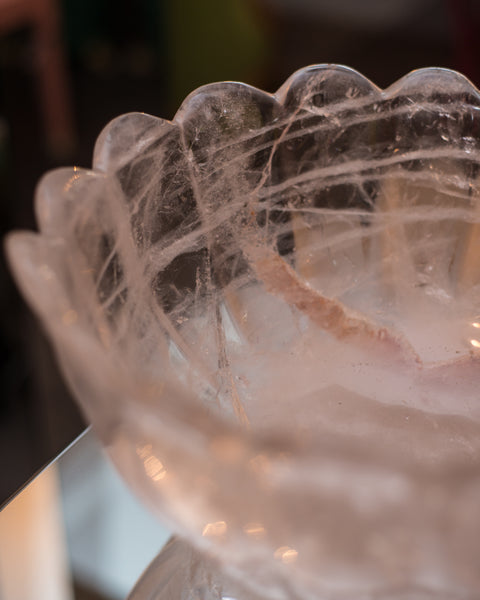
(260, 464)
(255, 530)
(46, 272)
(228, 448)
(70, 317)
(72, 180)
(286, 554)
(152, 465)
(104, 334)
(217, 529)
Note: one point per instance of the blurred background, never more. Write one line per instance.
(69, 66)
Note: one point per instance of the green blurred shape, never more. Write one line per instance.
(213, 40)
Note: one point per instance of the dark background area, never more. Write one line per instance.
(146, 55)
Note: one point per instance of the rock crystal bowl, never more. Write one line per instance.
(269, 310)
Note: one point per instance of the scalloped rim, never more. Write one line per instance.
(417, 80)
(430, 78)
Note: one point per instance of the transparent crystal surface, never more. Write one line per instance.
(269, 310)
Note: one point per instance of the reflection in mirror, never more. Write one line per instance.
(76, 532)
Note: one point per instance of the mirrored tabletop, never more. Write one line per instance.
(75, 532)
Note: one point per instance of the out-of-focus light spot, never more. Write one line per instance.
(228, 449)
(215, 529)
(69, 317)
(286, 554)
(144, 451)
(104, 336)
(255, 530)
(46, 272)
(72, 180)
(154, 468)
(475, 343)
(152, 465)
(476, 325)
(260, 464)
(153, 390)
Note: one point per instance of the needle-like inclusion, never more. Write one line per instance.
(278, 297)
